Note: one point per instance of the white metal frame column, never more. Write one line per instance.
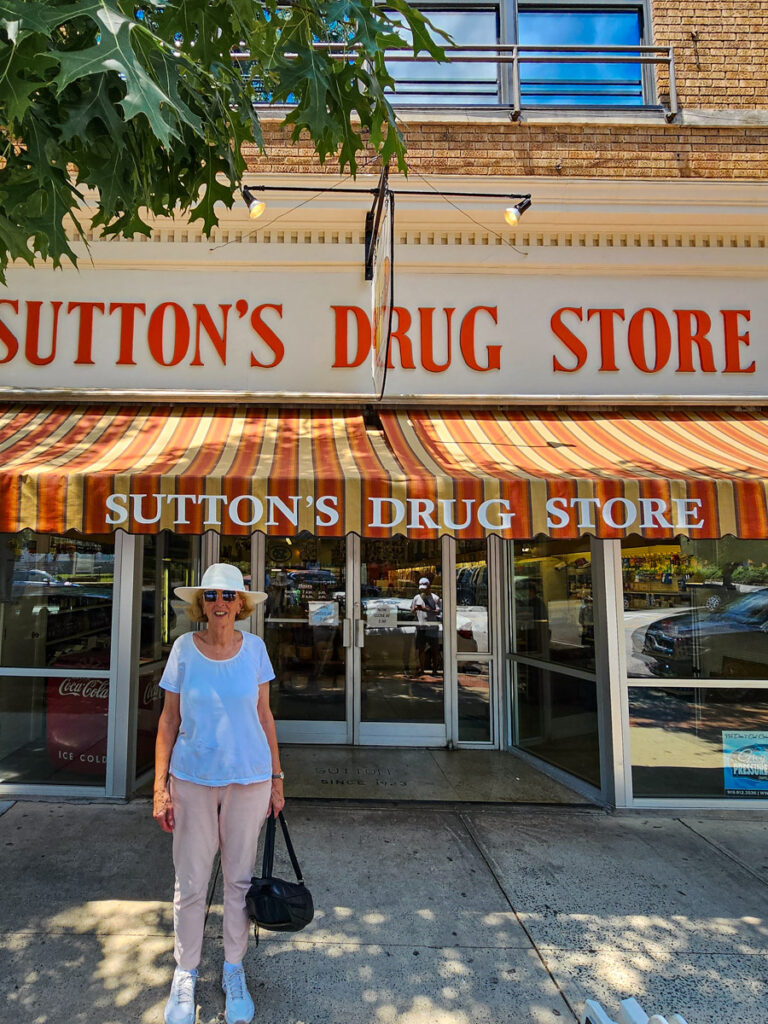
(210, 549)
(450, 665)
(607, 595)
(126, 612)
(496, 620)
(354, 639)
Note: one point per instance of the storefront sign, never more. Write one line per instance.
(400, 515)
(745, 764)
(309, 333)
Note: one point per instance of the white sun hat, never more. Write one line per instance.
(221, 576)
(424, 582)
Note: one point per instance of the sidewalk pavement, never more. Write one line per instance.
(425, 915)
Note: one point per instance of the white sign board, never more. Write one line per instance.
(381, 615)
(307, 332)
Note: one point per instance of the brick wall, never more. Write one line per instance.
(721, 63)
(720, 51)
(567, 150)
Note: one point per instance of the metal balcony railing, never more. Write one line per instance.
(497, 75)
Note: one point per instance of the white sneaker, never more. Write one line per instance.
(239, 1008)
(180, 1008)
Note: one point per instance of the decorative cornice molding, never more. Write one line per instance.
(621, 238)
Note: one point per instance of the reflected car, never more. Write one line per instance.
(37, 581)
(730, 643)
(472, 628)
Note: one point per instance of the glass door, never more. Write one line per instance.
(305, 633)
(555, 682)
(400, 683)
(168, 561)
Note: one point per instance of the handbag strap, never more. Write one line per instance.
(268, 859)
(289, 847)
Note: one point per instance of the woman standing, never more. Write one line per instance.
(217, 777)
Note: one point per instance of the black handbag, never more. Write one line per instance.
(273, 903)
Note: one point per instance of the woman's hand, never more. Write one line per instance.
(162, 810)
(277, 800)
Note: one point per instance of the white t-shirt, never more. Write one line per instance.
(220, 738)
(427, 607)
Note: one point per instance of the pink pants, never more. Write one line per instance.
(228, 818)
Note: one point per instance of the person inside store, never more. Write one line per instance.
(532, 627)
(587, 620)
(217, 777)
(428, 609)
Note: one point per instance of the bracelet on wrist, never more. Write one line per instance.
(278, 775)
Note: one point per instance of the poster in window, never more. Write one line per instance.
(323, 613)
(745, 764)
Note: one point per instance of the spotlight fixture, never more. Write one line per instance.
(255, 206)
(512, 214)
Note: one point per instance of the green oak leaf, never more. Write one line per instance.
(147, 109)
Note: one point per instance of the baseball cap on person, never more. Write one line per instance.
(423, 582)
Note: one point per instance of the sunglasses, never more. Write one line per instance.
(226, 595)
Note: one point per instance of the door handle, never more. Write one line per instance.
(346, 632)
(359, 633)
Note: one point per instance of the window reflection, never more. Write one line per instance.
(472, 597)
(402, 659)
(696, 609)
(170, 561)
(55, 600)
(699, 742)
(552, 595)
(473, 637)
(457, 82)
(580, 84)
(55, 613)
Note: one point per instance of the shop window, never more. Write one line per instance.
(473, 640)
(582, 77)
(56, 595)
(555, 692)
(306, 604)
(699, 742)
(552, 602)
(696, 609)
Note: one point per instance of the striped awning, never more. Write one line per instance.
(238, 469)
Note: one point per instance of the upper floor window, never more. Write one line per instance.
(532, 53)
(461, 82)
(590, 54)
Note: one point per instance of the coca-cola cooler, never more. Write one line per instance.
(77, 711)
(76, 715)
